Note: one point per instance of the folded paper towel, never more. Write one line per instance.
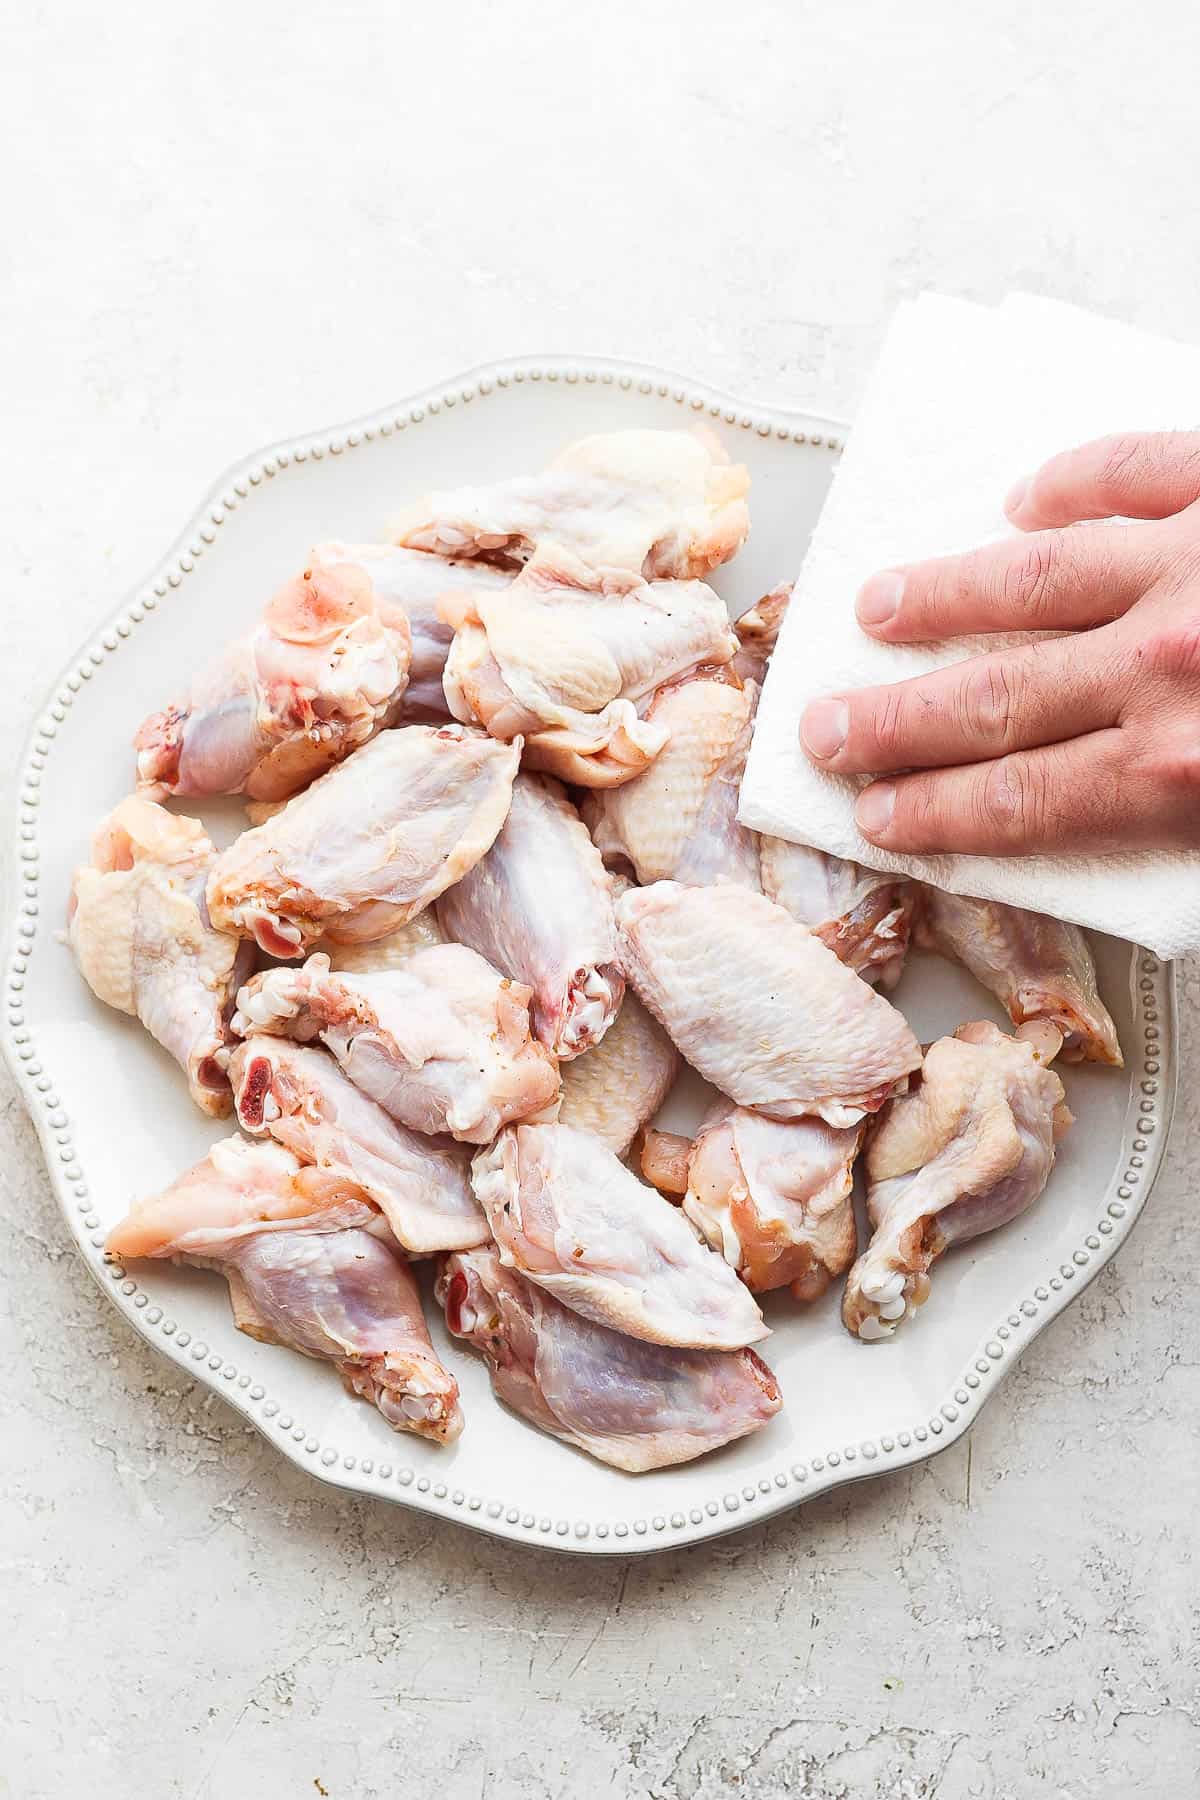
(964, 400)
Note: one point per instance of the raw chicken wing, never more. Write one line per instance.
(758, 1004)
(412, 582)
(240, 1188)
(570, 1216)
(775, 1199)
(758, 633)
(864, 916)
(539, 906)
(634, 1405)
(565, 655)
(347, 1298)
(323, 670)
(677, 821)
(139, 929)
(658, 503)
(370, 844)
(298, 1095)
(969, 1147)
(442, 1043)
(308, 1260)
(1037, 967)
(615, 1088)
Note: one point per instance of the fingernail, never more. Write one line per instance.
(879, 599)
(824, 728)
(875, 807)
(1015, 497)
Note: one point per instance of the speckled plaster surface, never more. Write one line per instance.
(247, 223)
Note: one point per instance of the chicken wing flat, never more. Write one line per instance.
(862, 915)
(635, 1405)
(968, 1148)
(139, 929)
(775, 1199)
(1037, 967)
(443, 1043)
(677, 820)
(758, 1004)
(570, 1216)
(411, 582)
(349, 1299)
(658, 503)
(298, 1095)
(564, 656)
(238, 1189)
(539, 907)
(369, 845)
(617, 1086)
(323, 670)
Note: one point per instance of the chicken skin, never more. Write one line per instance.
(369, 845)
(759, 1006)
(616, 1087)
(634, 1405)
(862, 915)
(1037, 967)
(568, 1215)
(390, 952)
(774, 1199)
(539, 907)
(677, 821)
(657, 503)
(443, 1043)
(298, 1095)
(411, 582)
(968, 1148)
(564, 656)
(323, 671)
(139, 929)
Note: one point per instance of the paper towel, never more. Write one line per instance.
(964, 400)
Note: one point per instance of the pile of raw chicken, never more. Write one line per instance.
(494, 890)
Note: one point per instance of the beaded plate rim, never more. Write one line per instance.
(1147, 1124)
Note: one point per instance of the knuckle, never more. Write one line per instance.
(1180, 573)
(1012, 802)
(1126, 455)
(1030, 579)
(1172, 652)
(1174, 765)
(892, 728)
(987, 703)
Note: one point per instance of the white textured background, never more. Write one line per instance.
(227, 223)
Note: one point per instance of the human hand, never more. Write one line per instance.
(1087, 741)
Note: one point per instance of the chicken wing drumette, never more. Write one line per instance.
(539, 907)
(968, 1148)
(323, 671)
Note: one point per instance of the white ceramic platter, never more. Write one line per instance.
(115, 1120)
